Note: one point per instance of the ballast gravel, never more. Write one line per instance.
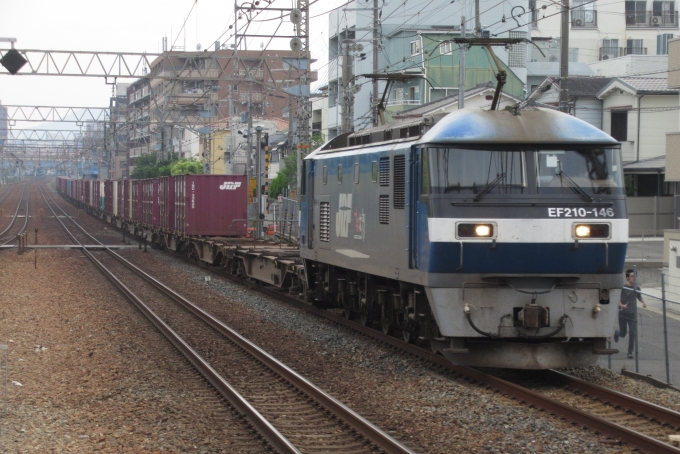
(92, 379)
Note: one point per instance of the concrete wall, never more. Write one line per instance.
(674, 63)
(653, 124)
(650, 216)
(673, 156)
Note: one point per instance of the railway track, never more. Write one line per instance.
(289, 412)
(7, 235)
(622, 418)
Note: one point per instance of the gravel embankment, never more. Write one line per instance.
(103, 385)
(88, 374)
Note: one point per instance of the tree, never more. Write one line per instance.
(287, 176)
(149, 166)
(186, 167)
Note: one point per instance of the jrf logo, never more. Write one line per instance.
(230, 185)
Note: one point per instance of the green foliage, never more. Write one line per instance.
(149, 166)
(186, 167)
(287, 176)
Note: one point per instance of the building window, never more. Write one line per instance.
(662, 43)
(663, 14)
(414, 93)
(398, 95)
(415, 47)
(610, 49)
(445, 48)
(620, 125)
(583, 14)
(634, 47)
(285, 112)
(636, 12)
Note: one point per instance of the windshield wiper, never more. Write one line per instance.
(573, 186)
(489, 187)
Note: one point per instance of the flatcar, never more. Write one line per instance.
(498, 236)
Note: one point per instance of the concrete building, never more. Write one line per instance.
(408, 34)
(606, 30)
(173, 109)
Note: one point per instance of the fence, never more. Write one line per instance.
(657, 327)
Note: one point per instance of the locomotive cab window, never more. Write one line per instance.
(339, 173)
(374, 171)
(356, 173)
(589, 170)
(474, 171)
(325, 174)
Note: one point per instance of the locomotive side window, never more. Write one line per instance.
(595, 171)
(325, 174)
(374, 172)
(425, 180)
(356, 173)
(339, 173)
(476, 171)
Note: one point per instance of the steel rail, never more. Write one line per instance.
(347, 415)
(589, 421)
(23, 228)
(264, 427)
(651, 410)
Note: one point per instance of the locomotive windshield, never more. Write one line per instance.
(475, 171)
(595, 171)
(585, 171)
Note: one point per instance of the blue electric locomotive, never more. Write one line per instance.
(497, 236)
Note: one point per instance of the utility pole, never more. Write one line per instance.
(258, 178)
(249, 144)
(376, 37)
(347, 94)
(461, 67)
(303, 107)
(478, 26)
(231, 134)
(564, 57)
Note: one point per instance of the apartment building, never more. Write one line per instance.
(173, 109)
(606, 30)
(408, 34)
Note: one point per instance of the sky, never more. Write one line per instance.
(129, 26)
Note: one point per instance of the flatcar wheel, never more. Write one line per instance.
(364, 319)
(384, 321)
(347, 308)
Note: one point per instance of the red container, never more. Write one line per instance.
(150, 202)
(211, 205)
(166, 203)
(111, 197)
(95, 194)
(137, 200)
(87, 190)
(120, 201)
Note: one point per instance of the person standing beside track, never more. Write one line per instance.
(628, 311)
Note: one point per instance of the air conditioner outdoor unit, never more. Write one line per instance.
(578, 23)
(605, 57)
(655, 21)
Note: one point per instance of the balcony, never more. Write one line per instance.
(244, 97)
(648, 19)
(403, 102)
(581, 18)
(613, 52)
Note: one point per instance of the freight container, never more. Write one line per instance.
(111, 197)
(95, 194)
(102, 196)
(137, 206)
(120, 201)
(150, 202)
(211, 205)
(87, 186)
(166, 206)
(69, 188)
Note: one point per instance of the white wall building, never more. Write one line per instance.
(606, 30)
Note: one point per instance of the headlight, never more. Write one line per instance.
(585, 231)
(475, 230)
